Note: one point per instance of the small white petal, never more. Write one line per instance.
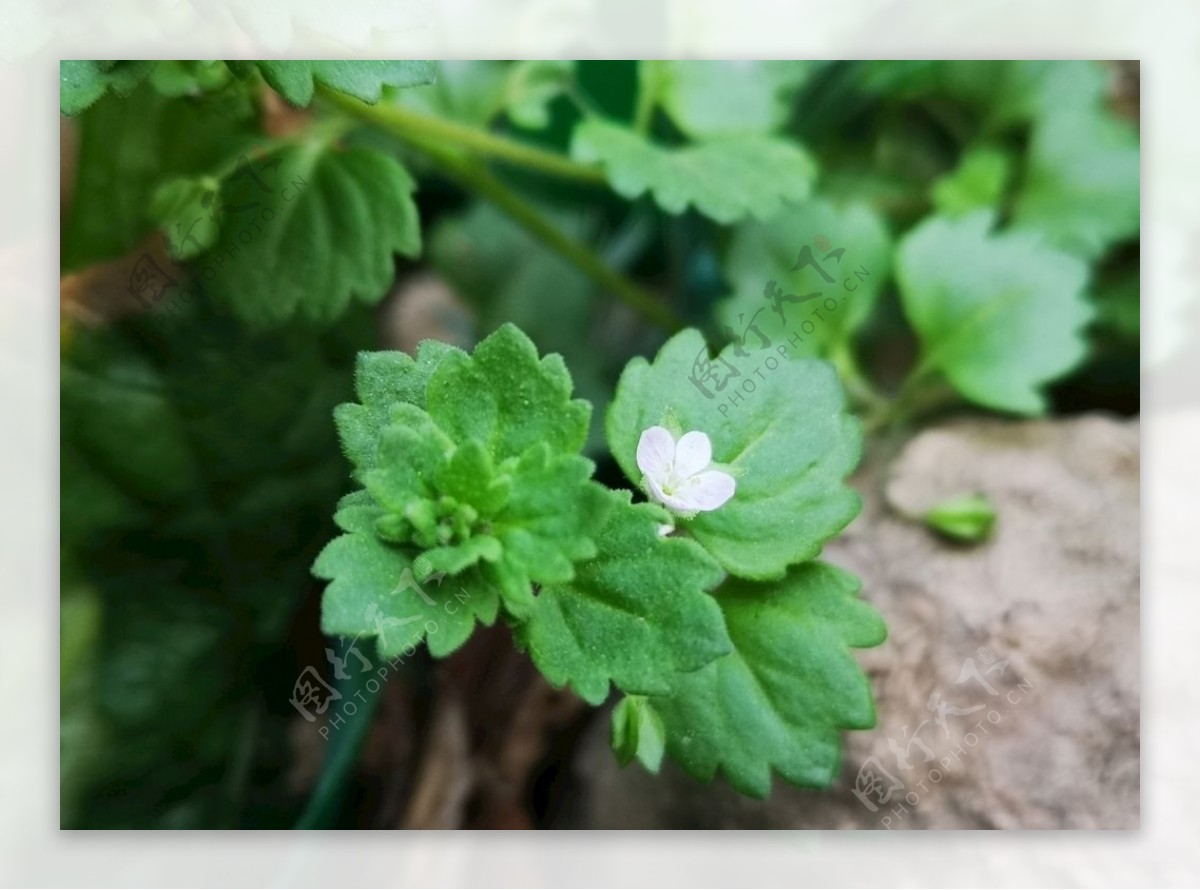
(656, 452)
(673, 501)
(707, 491)
(693, 454)
(665, 529)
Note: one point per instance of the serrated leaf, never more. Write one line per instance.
(708, 98)
(83, 81)
(507, 397)
(787, 440)
(546, 525)
(1082, 188)
(309, 230)
(999, 315)
(374, 591)
(364, 79)
(783, 283)
(779, 700)
(486, 475)
(638, 731)
(636, 615)
(381, 381)
(726, 180)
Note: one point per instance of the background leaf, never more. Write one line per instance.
(998, 314)
(725, 180)
(310, 230)
(364, 79)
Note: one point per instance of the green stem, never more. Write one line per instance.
(479, 180)
(413, 126)
(428, 135)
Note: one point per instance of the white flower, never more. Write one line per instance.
(677, 473)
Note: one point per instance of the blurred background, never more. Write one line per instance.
(200, 466)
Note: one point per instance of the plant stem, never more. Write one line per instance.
(429, 138)
(479, 180)
(413, 126)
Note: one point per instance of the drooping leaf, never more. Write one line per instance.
(307, 230)
(779, 700)
(809, 296)
(999, 314)
(636, 615)
(725, 179)
(780, 427)
(296, 79)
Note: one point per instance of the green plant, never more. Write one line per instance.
(769, 232)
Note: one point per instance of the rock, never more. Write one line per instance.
(1008, 688)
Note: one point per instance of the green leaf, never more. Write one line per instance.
(505, 273)
(309, 229)
(473, 462)
(968, 517)
(726, 180)
(187, 204)
(83, 81)
(779, 700)
(131, 146)
(381, 381)
(786, 439)
(507, 397)
(374, 590)
(708, 99)
(1082, 189)
(636, 615)
(999, 314)
(977, 183)
(531, 85)
(637, 731)
(805, 294)
(364, 79)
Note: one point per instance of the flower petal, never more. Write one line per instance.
(673, 502)
(693, 454)
(706, 491)
(656, 452)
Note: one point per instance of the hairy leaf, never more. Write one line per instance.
(307, 230)
(786, 438)
(636, 615)
(779, 700)
(375, 592)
